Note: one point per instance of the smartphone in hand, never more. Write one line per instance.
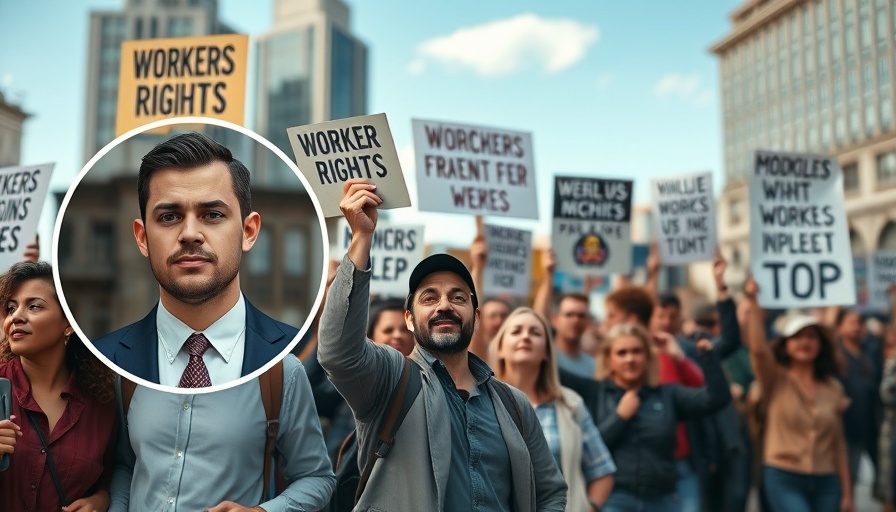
(5, 412)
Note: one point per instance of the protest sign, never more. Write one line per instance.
(684, 210)
(799, 239)
(508, 269)
(331, 153)
(883, 275)
(591, 229)
(22, 193)
(395, 251)
(184, 76)
(474, 169)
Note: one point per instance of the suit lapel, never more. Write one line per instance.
(264, 340)
(140, 348)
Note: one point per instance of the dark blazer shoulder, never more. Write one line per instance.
(134, 347)
(266, 338)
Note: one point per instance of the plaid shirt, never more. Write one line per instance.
(596, 459)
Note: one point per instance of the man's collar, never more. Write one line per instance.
(480, 370)
(222, 335)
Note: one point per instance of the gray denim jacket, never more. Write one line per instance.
(415, 473)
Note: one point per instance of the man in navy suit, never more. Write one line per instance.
(196, 221)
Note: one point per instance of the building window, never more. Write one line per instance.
(887, 238)
(886, 168)
(867, 77)
(103, 246)
(259, 259)
(295, 252)
(138, 28)
(870, 113)
(735, 211)
(180, 27)
(856, 244)
(854, 124)
(883, 71)
(66, 245)
(851, 177)
(851, 83)
(886, 113)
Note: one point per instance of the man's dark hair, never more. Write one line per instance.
(187, 151)
(843, 313)
(499, 301)
(633, 300)
(668, 299)
(577, 297)
(378, 307)
(705, 315)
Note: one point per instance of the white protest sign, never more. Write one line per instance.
(395, 251)
(684, 210)
(883, 275)
(474, 169)
(508, 269)
(799, 239)
(331, 153)
(22, 193)
(592, 225)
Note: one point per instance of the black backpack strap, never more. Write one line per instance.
(409, 385)
(510, 403)
(63, 500)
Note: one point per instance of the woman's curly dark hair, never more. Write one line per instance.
(91, 375)
(828, 362)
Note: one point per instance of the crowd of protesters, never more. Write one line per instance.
(649, 408)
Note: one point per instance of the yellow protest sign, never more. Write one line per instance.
(185, 76)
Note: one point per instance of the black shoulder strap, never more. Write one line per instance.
(63, 501)
(510, 403)
(409, 385)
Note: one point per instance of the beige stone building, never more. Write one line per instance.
(11, 119)
(811, 76)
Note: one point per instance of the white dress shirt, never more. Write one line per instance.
(224, 358)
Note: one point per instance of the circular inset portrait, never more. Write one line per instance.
(190, 260)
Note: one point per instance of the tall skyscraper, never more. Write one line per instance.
(140, 19)
(309, 69)
(811, 76)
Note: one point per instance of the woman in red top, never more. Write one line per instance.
(61, 387)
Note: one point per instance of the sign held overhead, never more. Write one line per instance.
(799, 238)
(474, 169)
(684, 210)
(331, 153)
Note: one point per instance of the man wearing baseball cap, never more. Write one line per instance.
(459, 448)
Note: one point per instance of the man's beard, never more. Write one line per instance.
(444, 342)
(195, 293)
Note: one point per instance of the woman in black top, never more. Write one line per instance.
(637, 417)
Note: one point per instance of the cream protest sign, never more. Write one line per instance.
(331, 153)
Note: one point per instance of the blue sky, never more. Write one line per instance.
(616, 89)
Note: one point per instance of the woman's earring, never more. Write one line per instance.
(67, 336)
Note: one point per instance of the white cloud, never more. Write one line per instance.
(507, 46)
(7, 80)
(688, 87)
